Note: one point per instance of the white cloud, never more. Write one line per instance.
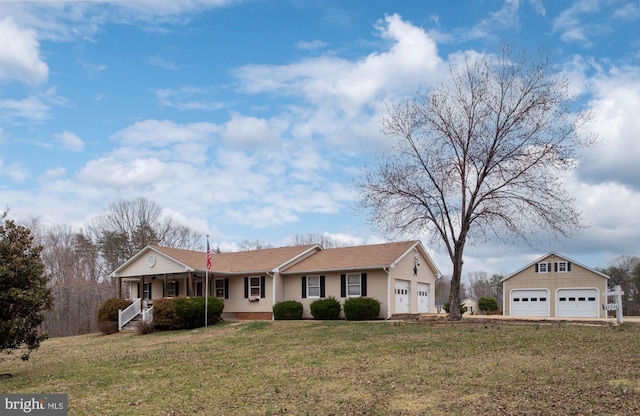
(20, 55)
(162, 63)
(630, 11)
(347, 86)
(113, 173)
(571, 26)
(187, 98)
(161, 133)
(53, 173)
(538, 7)
(611, 211)
(615, 105)
(15, 171)
(506, 17)
(311, 45)
(30, 108)
(251, 132)
(70, 141)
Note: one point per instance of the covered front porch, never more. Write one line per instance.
(143, 290)
(167, 285)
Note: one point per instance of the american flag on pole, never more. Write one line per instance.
(208, 256)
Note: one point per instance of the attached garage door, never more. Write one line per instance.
(423, 298)
(527, 302)
(402, 296)
(577, 303)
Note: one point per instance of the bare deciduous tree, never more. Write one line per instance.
(483, 155)
(311, 238)
(478, 284)
(127, 226)
(247, 245)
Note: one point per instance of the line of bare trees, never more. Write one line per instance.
(79, 261)
(474, 285)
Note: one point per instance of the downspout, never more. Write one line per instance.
(273, 292)
(388, 292)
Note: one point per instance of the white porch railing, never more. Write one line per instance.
(126, 315)
(147, 315)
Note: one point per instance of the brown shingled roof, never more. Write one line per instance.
(356, 257)
(237, 262)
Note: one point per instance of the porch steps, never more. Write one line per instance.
(133, 325)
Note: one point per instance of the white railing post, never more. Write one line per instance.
(147, 315)
(126, 315)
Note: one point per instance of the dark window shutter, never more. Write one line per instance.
(536, 267)
(363, 284)
(555, 267)
(322, 287)
(343, 285)
(304, 287)
(549, 267)
(139, 293)
(226, 288)
(246, 287)
(262, 286)
(568, 266)
(150, 296)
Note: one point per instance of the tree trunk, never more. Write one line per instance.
(454, 294)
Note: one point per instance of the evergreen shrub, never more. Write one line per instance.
(287, 310)
(326, 309)
(361, 309)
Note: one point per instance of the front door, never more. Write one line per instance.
(402, 296)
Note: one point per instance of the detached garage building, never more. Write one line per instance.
(555, 286)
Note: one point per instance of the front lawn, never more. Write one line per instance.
(342, 368)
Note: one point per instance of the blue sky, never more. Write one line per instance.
(248, 120)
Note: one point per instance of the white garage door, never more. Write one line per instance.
(402, 296)
(423, 297)
(529, 302)
(577, 303)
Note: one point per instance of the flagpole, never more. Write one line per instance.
(206, 290)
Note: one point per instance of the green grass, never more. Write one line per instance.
(321, 368)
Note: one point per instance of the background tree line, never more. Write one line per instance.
(474, 285)
(78, 262)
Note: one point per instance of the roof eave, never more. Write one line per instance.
(340, 269)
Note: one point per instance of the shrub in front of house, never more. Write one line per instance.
(165, 317)
(488, 304)
(108, 314)
(361, 309)
(328, 308)
(190, 311)
(287, 310)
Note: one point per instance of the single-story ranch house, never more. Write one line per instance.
(555, 286)
(400, 275)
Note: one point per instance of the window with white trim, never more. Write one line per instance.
(543, 267)
(313, 286)
(254, 287)
(562, 267)
(354, 285)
